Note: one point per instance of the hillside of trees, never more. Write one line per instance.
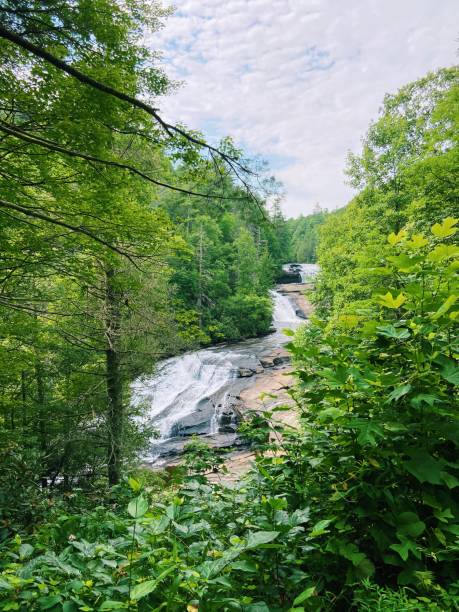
(126, 239)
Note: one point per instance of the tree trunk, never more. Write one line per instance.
(199, 300)
(41, 424)
(113, 378)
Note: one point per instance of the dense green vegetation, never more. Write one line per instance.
(304, 236)
(125, 239)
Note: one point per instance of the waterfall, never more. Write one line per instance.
(283, 312)
(308, 271)
(190, 393)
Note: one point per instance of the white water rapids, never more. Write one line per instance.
(188, 393)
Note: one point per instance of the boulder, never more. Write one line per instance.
(281, 360)
(244, 373)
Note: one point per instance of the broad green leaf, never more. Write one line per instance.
(5, 585)
(394, 239)
(49, 601)
(259, 606)
(306, 594)
(443, 251)
(417, 241)
(424, 467)
(245, 566)
(320, 528)
(389, 331)
(389, 301)
(260, 537)
(446, 228)
(450, 371)
(25, 550)
(365, 569)
(451, 481)
(112, 605)
(405, 547)
(424, 398)
(443, 514)
(409, 524)
(134, 484)
(145, 588)
(404, 263)
(138, 506)
(450, 301)
(399, 392)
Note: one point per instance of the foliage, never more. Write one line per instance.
(404, 174)
(304, 236)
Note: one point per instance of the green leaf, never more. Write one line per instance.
(450, 371)
(409, 523)
(5, 585)
(424, 467)
(258, 606)
(145, 588)
(451, 481)
(405, 547)
(404, 263)
(49, 601)
(244, 566)
(112, 605)
(398, 392)
(260, 537)
(450, 301)
(446, 228)
(425, 398)
(394, 239)
(417, 241)
(443, 251)
(306, 594)
(365, 569)
(389, 301)
(25, 550)
(389, 331)
(138, 506)
(134, 484)
(320, 528)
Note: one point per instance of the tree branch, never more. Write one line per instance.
(111, 91)
(54, 146)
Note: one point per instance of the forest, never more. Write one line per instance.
(127, 239)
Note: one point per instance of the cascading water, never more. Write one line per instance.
(308, 271)
(283, 312)
(194, 392)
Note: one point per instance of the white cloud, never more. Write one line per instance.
(300, 79)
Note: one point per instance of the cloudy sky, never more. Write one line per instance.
(298, 81)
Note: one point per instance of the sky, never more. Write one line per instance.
(298, 81)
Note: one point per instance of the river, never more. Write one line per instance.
(198, 392)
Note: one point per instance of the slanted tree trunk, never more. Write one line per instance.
(113, 378)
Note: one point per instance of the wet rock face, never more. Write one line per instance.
(196, 423)
(245, 373)
(230, 415)
(292, 276)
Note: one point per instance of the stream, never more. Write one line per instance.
(198, 392)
